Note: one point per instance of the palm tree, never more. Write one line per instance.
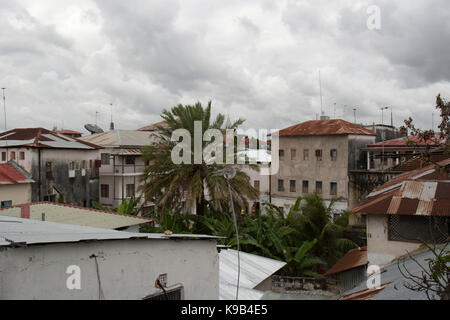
(127, 206)
(171, 185)
(312, 219)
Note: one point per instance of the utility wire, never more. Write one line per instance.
(237, 238)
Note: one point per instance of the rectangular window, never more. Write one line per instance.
(83, 164)
(305, 186)
(293, 154)
(305, 154)
(281, 153)
(280, 185)
(319, 155)
(292, 185)
(21, 155)
(48, 169)
(129, 160)
(408, 228)
(130, 190)
(72, 165)
(333, 154)
(3, 156)
(6, 204)
(319, 187)
(105, 158)
(104, 190)
(333, 188)
(256, 184)
(13, 155)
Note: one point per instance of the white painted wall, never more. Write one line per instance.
(380, 250)
(127, 268)
(17, 193)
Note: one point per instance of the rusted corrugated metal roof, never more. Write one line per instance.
(352, 259)
(408, 142)
(127, 152)
(42, 138)
(325, 127)
(121, 138)
(411, 198)
(429, 173)
(154, 126)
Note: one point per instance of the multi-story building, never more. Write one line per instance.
(121, 164)
(64, 169)
(316, 157)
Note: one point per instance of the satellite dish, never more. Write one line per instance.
(93, 128)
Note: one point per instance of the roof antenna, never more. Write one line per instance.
(111, 125)
(4, 106)
(96, 113)
(320, 87)
(354, 115)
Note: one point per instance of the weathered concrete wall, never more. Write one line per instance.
(11, 212)
(313, 170)
(380, 250)
(127, 269)
(80, 190)
(357, 158)
(17, 193)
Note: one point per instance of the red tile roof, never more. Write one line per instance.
(325, 127)
(10, 175)
(352, 259)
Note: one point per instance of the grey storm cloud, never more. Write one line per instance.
(63, 61)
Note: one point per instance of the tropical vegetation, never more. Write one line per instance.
(190, 185)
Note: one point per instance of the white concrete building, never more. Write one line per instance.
(121, 163)
(46, 260)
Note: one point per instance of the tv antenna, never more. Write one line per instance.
(354, 114)
(4, 106)
(320, 88)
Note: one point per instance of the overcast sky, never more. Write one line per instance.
(61, 61)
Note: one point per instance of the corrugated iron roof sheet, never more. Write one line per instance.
(392, 287)
(325, 127)
(76, 215)
(18, 231)
(411, 198)
(118, 138)
(42, 138)
(407, 142)
(352, 259)
(254, 270)
(154, 126)
(127, 152)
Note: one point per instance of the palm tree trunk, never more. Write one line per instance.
(201, 206)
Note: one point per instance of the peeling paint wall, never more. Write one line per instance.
(127, 269)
